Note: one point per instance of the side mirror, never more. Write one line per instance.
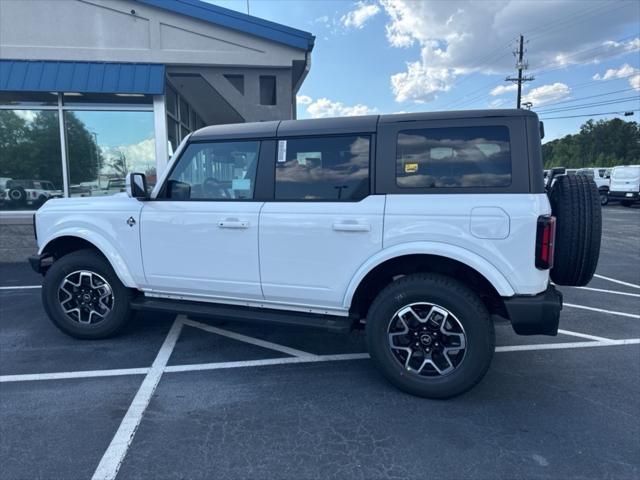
(137, 186)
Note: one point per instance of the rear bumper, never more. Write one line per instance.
(536, 314)
(624, 195)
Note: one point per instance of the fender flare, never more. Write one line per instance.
(462, 255)
(103, 245)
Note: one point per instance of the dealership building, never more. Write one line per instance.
(93, 89)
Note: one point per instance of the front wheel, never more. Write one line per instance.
(430, 335)
(83, 296)
(604, 198)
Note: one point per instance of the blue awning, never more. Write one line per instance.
(225, 17)
(81, 77)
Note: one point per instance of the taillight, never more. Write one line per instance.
(545, 240)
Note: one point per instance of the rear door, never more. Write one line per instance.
(323, 223)
(201, 237)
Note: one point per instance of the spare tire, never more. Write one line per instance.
(18, 196)
(575, 202)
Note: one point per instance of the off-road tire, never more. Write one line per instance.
(460, 301)
(575, 202)
(93, 261)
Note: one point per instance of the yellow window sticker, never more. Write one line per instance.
(410, 167)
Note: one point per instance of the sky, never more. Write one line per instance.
(388, 56)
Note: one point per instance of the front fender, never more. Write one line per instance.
(471, 259)
(115, 257)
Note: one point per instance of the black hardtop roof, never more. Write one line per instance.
(338, 125)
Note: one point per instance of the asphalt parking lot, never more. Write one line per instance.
(187, 398)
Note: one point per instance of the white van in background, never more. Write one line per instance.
(601, 177)
(625, 184)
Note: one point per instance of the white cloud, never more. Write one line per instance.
(323, 107)
(360, 15)
(140, 156)
(547, 94)
(27, 115)
(625, 70)
(502, 89)
(303, 99)
(466, 36)
(420, 83)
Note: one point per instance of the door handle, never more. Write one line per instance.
(233, 224)
(351, 227)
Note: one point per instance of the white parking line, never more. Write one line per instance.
(265, 362)
(21, 287)
(633, 285)
(562, 346)
(112, 459)
(607, 291)
(584, 335)
(610, 312)
(604, 342)
(246, 339)
(28, 377)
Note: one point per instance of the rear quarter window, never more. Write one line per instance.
(454, 157)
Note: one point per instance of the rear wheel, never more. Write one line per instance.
(430, 335)
(83, 296)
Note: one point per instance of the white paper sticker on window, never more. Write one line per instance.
(282, 151)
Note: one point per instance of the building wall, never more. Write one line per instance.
(107, 30)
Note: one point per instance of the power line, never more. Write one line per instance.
(592, 104)
(557, 67)
(591, 96)
(574, 19)
(592, 82)
(591, 115)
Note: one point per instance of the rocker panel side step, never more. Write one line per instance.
(244, 314)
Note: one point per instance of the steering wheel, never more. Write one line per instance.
(213, 189)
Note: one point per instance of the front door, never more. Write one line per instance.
(323, 224)
(201, 237)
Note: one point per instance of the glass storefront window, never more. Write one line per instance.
(30, 158)
(172, 100)
(103, 146)
(31, 99)
(106, 99)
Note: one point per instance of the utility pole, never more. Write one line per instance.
(521, 65)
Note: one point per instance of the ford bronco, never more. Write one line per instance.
(423, 229)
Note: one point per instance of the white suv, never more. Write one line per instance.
(29, 193)
(421, 227)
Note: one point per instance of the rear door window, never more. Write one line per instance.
(323, 168)
(454, 157)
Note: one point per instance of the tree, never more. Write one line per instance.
(85, 158)
(604, 143)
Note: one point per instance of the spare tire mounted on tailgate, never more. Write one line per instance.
(575, 202)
